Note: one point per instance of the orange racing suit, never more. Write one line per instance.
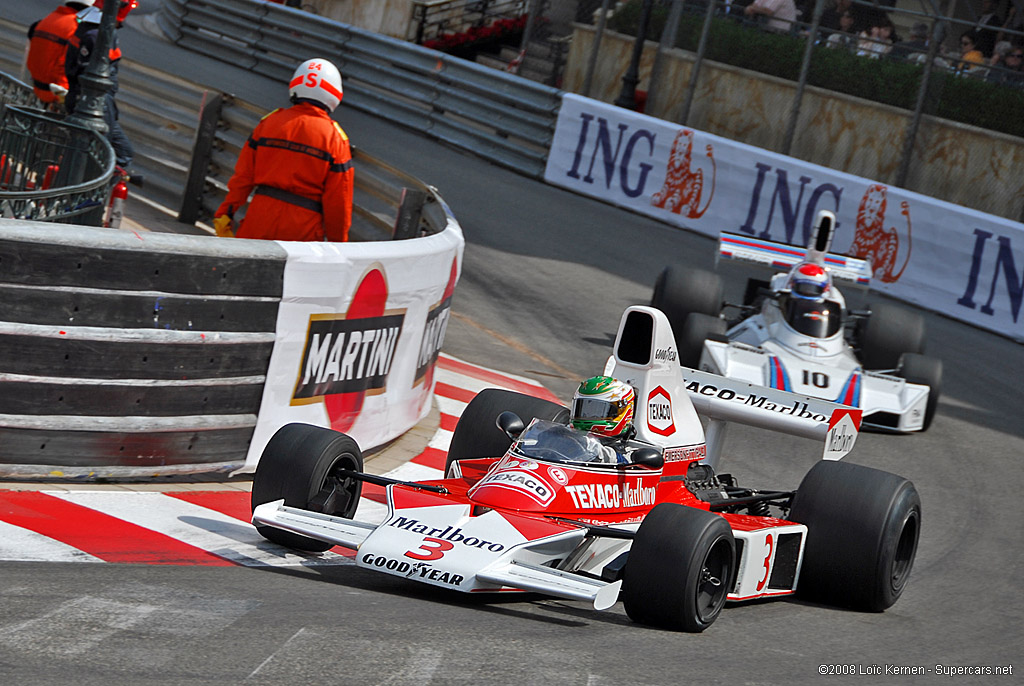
(48, 43)
(298, 164)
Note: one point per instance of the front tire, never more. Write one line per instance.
(863, 526)
(301, 464)
(682, 292)
(477, 434)
(697, 329)
(680, 568)
(888, 333)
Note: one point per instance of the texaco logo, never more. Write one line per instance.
(659, 412)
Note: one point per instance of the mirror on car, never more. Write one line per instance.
(511, 424)
(651, 458)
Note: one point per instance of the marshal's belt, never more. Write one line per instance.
(291, 198)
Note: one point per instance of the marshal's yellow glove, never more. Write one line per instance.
(223, 226)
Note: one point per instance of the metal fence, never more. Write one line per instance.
(500, 117)
(925, 76)
(51, 170)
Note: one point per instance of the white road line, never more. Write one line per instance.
(18, 544)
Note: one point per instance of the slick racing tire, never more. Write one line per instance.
(682, 292)
(887, 333)
(863, 526)
(301, 464)
(690, 339)
(477, 434)
(928, 372)
(680, 568)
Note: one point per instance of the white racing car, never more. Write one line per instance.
(533, 503)
(794, 332)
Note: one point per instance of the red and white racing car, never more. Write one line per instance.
(526, 504)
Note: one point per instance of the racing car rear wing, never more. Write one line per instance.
(782, 257)
(669, 396)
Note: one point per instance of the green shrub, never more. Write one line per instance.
(966, 100)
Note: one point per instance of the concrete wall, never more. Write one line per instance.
(961, 164)
(390, 17)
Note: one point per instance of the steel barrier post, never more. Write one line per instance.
(202, 151)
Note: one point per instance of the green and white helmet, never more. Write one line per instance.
(604, 406)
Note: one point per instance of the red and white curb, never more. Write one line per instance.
(210, 527)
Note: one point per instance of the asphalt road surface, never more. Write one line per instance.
(546, 276)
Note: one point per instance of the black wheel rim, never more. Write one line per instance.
(712, 584)
(338, 490)
(903, 557)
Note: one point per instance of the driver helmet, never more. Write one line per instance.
(124, 7)
(318, 80)
(603, 405)
(808, 280)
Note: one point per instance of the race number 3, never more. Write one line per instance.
(767, 564)
(433, 549)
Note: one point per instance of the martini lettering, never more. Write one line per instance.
(346, 355)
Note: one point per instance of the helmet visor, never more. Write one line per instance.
(808, 289)
(819, 319)
(590, 409)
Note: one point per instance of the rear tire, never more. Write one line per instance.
(690, 339)
(888, 333)
(680, 568)
(300, 464)
(928, 372)
(682, 292)
(477, 434)
(863, 526)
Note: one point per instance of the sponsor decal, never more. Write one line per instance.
(842, 433)
(433, 332)
(347, 356)
(1004, 265)
(686, 453)
(659, 412)
(420, 571)
(522, 481)
(789, 207)
(610, 496)
(558, 475)
(797, 408)
(684, 184)
(448, 533)
(665, 354)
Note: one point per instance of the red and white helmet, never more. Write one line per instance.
(317, 79)
(124, 8)
(809, 280)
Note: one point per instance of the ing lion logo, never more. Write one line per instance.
(681, 193)
(872, 240)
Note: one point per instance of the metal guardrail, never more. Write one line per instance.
(51, 170)
(505, 119)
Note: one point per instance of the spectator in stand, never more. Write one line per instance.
(47, 49)
(988, 27)
(971, 61)
(916, 48)
(844, 37)
(877, 41)
(778, 15)
(1011, 71)
(831, 16)
(1014, 22)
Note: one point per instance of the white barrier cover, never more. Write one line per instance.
(358, 333)
(941, 256)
